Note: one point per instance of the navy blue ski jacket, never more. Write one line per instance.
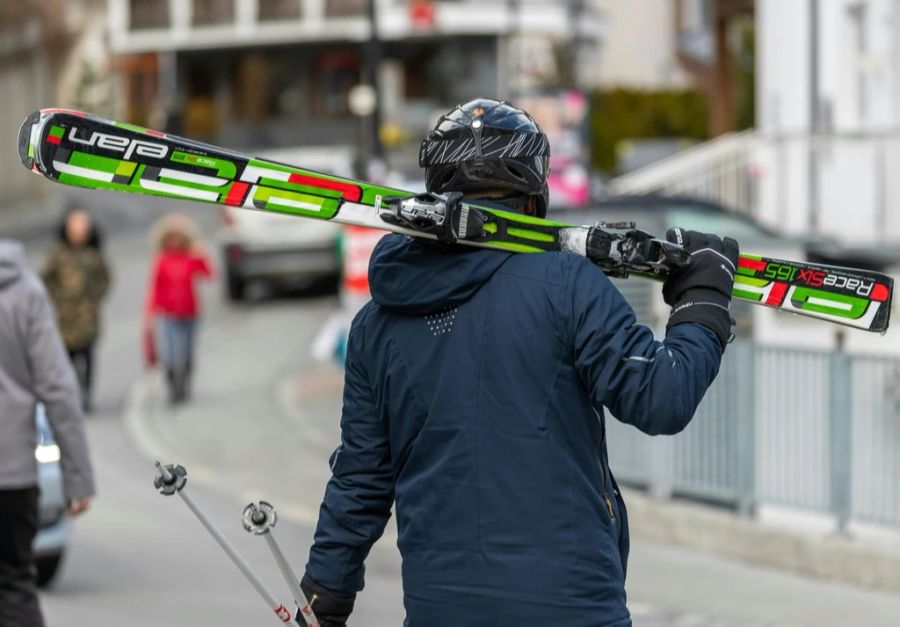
(474, 396)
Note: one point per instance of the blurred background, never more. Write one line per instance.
(777, 123)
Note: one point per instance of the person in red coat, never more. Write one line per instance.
(172, 302)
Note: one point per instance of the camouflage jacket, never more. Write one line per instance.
(77, 279)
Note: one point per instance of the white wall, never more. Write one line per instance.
(782, 62)
(638, 50)
(857, 150)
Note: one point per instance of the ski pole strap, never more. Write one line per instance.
(447, 218)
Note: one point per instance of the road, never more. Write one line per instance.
(262, 425)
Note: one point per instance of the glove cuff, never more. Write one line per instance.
(707, 307)
(326, 604)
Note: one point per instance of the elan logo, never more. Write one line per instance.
(121, 144)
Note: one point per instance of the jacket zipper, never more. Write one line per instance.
(605, 471)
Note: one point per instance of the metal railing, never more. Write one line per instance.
(720, 170)
(768, 177)
(813, 430)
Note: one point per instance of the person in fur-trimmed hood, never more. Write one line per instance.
(172, 301)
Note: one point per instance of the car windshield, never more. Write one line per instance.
(722, 224)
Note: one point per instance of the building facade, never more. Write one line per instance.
(48, 51)
(261, 73)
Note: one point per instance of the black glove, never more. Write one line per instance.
(701, 291)
(331, 610)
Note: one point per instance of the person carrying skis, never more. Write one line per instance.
(474, 397)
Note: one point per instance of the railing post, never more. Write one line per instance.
(841, 433)
(745, 390)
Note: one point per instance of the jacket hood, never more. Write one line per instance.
(420, 277)
(12, 260)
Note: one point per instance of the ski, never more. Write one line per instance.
(83, 150)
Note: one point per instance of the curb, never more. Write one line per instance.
(141, 405)
(138, 408)
(825, 557)
(136, 402)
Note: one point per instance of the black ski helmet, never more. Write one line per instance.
(484, 145)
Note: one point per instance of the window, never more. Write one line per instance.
(212, 12)
(270, 10)
(148, 14)
(334, 73)
(345, 8)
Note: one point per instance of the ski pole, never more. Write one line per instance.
(172, 479)
(259, 520)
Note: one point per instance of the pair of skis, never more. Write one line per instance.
(83, 150)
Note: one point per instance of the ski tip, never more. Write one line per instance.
(24, 141)
(63, 110)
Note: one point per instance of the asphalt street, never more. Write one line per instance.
(262, 424)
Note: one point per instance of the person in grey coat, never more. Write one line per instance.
(34, 367)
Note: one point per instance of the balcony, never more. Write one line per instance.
(345, 8)
(138, 26)
(212, 12)
(274, 10)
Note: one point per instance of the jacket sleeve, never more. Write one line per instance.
(655, 386)
(55, 386)
(359, 495)
(203, 266)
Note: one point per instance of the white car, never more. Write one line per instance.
(266, 248)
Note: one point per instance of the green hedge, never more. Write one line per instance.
(618, 114)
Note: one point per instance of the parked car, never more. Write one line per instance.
(657, 212)
(272, 249)
(53, 523)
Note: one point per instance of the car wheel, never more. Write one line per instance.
(47, 567)
(236, 286)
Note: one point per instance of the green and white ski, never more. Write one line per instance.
(83, 150)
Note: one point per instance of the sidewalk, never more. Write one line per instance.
(826, 557)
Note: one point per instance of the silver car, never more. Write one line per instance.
(53, 533)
